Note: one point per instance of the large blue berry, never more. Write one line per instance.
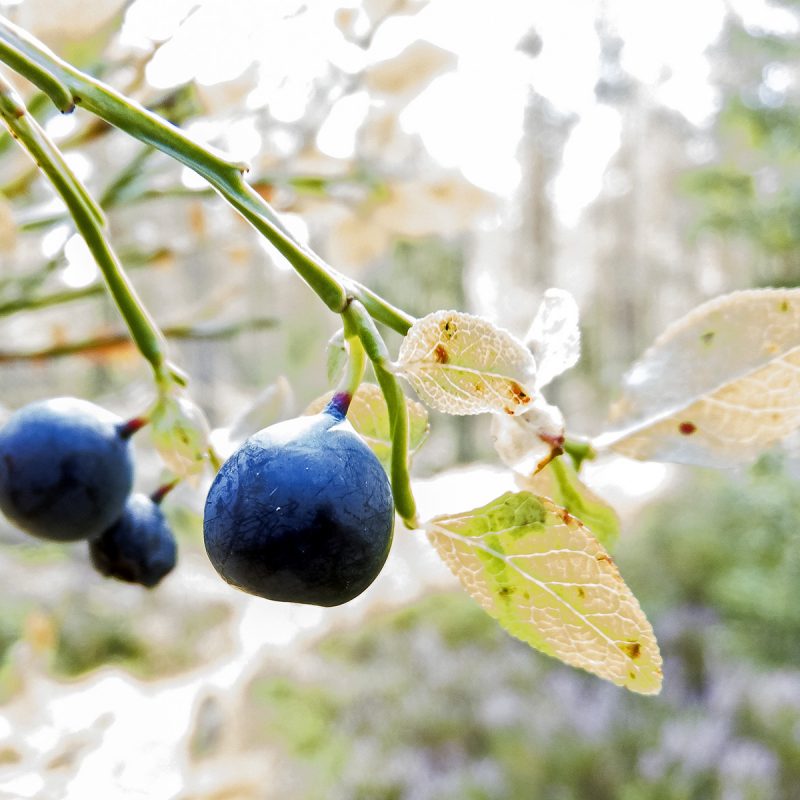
(65, 469)
(139, 547)
(302, 512)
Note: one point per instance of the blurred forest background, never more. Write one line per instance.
(449, 155)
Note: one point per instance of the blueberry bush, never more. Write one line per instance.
(304, 510)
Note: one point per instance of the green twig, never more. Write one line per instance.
(89, 222)
(121, 341)
(134, 260)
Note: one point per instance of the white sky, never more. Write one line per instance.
(469, 118)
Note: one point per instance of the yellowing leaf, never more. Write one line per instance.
(560, 482)
(462, 364)
(369, 415)
(718, 387)
(539, 572)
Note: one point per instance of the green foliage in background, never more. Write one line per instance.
(750, 190)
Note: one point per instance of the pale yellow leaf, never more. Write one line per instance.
(718, 387)
(538, 571)
(560, 482)
(462, 364)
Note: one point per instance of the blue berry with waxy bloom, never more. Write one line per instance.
(302, 512)
(139, 547)
(65, 468)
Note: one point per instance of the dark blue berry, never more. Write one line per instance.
(302, 512)
(139, 547)
(65, 469)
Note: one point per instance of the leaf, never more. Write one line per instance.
(462, 364)
(560, 482)
(369, 415)
(527, 441)
(554, 337)
(539, 572)
(718, 387)
(180, 433)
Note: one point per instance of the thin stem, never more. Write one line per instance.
(354, 372)
(120, 341)
(579, 451)
(88, 220)
(377, 353)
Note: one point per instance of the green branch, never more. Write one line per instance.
(89, 221)
(115, 342)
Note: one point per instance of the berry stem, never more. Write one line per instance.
(375, 348)
(131, 426)
(159, 494)
(356, 363)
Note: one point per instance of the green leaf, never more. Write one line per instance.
(543, 576)
(560, 482)
(369, 415)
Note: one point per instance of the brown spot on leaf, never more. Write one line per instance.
(518, 394)
(566, 517)
(478, 387)
(581, 592)
(448, 328)
(784, 306)
(441, 355)
(506, 591)
(707, 337)
(632, 675)
(687, 428)
(631, 649)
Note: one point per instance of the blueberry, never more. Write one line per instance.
(302, 512)
(139, 547)
(65, 469)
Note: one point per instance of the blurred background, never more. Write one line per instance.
(449, 155)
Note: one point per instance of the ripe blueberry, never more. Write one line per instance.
(65, 468)
(301, 512)
(139, 547)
